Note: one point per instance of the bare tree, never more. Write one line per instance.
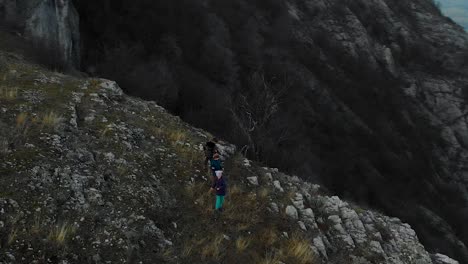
(256, 108)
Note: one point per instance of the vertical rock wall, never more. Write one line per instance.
(54, 23)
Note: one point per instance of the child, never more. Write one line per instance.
(210, 149)
(216, 165)
(220, 188)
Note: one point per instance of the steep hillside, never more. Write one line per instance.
(367, 97)
(90, 175)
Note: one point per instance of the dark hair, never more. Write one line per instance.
(210, 144)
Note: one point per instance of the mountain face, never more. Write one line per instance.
(91, 175)
(366, 97)
(50, 23)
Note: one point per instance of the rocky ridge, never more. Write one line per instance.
(89, 174)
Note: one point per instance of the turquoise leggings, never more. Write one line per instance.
(219, 201)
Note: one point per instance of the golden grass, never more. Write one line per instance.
(176, 135)
(242, 243)
(8, 93)
(51, 119)
(270, 258)
(213, 248)
(60, 234)
(21, 119)
(299, 249)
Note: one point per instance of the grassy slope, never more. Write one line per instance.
(246, 232)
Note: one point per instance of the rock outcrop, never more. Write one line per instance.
(52, 23)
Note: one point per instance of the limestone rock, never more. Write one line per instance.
(442, 259)
(292, 212)
(253, 180)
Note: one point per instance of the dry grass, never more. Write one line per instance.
(269, 236)
(213, 248)
(299, 250)
(105, 132)
(12, 236)
(188, 249)
(243, 209)
(264, 193)
(270, 258)
(94, 83)
(258, 237)
(36, 227)
(21, 120)
(60, 234)
(51, 120)
(176, 136)
(8, 93)
(242, 243)
(169, 132)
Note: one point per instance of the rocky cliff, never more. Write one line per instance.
(52, 23)
(89, 174)
(373, 92)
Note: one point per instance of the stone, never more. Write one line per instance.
(253, 180)
(268, 176)
(292, 212)
(302, 225)
(111, 87)
(277, 185)
(376, 248)
(298, 201)
(319, 244)
(274, 208)
(442, 259)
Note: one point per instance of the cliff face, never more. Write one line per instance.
(89, 174)
(53, 23)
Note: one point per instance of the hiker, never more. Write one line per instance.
(210, 150)
(215, 165)
(219, 187)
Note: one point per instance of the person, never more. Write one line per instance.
(215, 165)
(210, 150)
(219, 187)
